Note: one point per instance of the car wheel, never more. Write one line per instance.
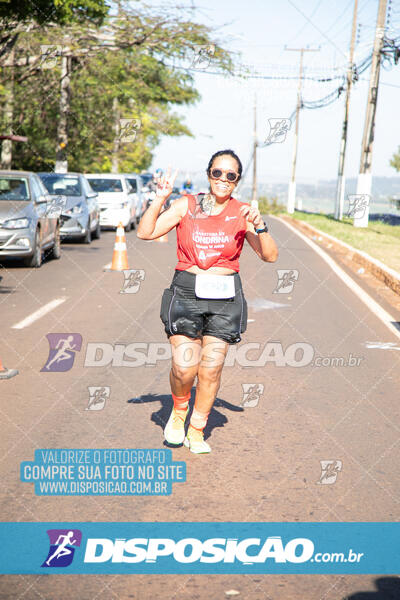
(97, 231)
(56, 250)
(87, 238)
(133, 223)
(128, 227)
(35, 260)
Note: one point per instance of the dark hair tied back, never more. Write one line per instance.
(224, 153)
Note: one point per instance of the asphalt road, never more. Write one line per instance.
(265, 463)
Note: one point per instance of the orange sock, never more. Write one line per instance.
(198, 420)
(181, 402)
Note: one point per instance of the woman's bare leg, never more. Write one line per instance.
(213, 354)
(185, 363)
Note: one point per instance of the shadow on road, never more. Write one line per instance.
(5, 289)
(161, 416)
(11, 263)
(388, 588)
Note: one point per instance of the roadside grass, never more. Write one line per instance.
(380, 240)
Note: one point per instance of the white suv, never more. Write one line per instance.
(117, 201)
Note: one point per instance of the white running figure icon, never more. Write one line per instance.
(62, 550)
(62, 351)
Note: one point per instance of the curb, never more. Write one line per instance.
(388, 276)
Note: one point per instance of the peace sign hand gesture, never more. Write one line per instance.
(165, 184)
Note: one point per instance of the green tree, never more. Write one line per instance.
(395, 160)
(137, 60)
(54, 11)
(18, 15)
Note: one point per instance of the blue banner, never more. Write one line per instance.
(204, 548)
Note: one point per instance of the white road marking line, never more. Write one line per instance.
(107, 266)
(382, 345)
(38, 314)
(386, 318)
(258, 304)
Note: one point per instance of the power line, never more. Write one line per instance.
(317, 28)
(306, 24)
(340, 16)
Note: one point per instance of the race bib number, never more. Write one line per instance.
(215, 286)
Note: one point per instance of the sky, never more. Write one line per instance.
(258, 31)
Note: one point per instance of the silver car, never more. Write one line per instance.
(80, 213)
(29, 225)
(135, 181)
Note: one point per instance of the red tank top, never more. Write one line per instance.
(210, 240)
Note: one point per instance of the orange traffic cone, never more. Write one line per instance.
(163, 238)
(7, 373)
(120, 255)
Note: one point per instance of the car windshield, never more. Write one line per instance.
(14, 188)
(65, 185)
(133, 184)
(106, 185)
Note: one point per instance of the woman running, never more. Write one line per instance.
(204, 309)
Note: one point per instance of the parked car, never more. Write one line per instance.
(80, 213)
(146, 178)
(176, 193)
(135, 181)
(28, 226)
(116, 199)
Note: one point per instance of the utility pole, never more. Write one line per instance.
(61, 165)
(292, 184)
(365, 175)
(254, 201)
(6, 146)
(117, 141)
(342, 157)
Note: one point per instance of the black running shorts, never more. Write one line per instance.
(183, 313)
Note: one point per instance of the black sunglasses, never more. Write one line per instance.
(230, 175)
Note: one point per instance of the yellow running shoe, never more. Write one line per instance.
(174, 431)
(195, 441)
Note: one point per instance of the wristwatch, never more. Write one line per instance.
(264, 229)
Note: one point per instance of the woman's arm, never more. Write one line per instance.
(263, 244)
(153, 224)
